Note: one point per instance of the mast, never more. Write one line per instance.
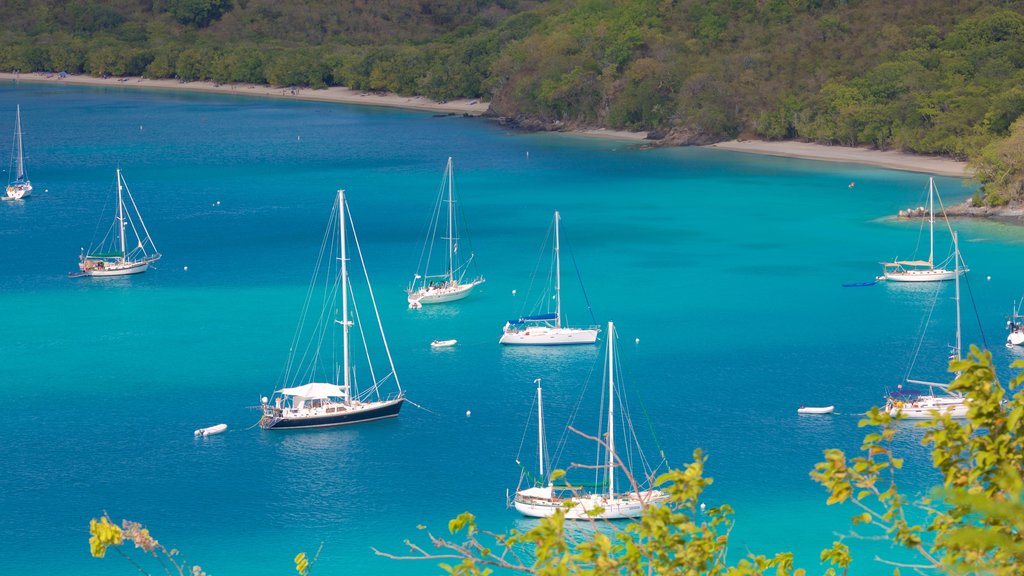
(558, 277)
(540, 430)
(451, 251)
(956, 272)
(931, 221)
(120, 215)
(611, 411)
(17, 136)
(344, 298)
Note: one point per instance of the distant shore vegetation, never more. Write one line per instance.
(918, 76)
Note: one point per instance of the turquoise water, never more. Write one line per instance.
(727, 267)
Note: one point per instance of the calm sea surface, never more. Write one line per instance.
(727, 268)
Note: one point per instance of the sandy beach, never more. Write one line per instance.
(883, 159)
(888, 159)
(333, 94)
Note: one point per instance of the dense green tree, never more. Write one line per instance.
(920, 76)
(199, 13)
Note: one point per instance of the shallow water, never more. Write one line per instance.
(727, 267)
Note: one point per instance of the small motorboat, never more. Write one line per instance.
(815, 409)
(442, 343)
(211, 430)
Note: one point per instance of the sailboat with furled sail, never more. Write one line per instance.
(320, 391)
(430, 286)
(19, 185)
(923, 270)
(114, 255)
(544, 327)
(934, 398)
(545, 497)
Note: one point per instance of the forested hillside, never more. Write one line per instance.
(917, 75)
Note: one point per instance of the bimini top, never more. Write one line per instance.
(535, 318)
(313, 391)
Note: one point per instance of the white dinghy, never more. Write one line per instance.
(815, 409)
(210, 430)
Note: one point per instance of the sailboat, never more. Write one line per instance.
(938, 399)
(547, 328)
(545, 497)
(1015, 324)
(922, 270)
(450, 284)
(19, 187)
(320, 392)
(114, 256)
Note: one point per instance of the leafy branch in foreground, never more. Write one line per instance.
(675, 537)
(105, 535)
(974, 521)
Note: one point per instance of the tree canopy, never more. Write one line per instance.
(920, 76)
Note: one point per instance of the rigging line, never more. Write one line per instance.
(579, 277)
(141, 221)
(326, 243)
(429, 231)
(366, 347)
(536, 268)
(921, 332)
(526, 428)
(562, 441)
(369, 288)
(422, 408)
(657, 442)
(465, 231)
(974, 306)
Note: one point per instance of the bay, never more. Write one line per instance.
(722, 271)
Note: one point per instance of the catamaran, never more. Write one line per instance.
(545, 327)
(922, 270)
(544, 498)
(449, 284)
(330, 395)
(938, 399)
(113, 255)
(18, 186)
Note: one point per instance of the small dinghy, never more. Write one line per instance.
(815, 409)
(211, 430)
(442, 343)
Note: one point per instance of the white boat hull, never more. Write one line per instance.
(925, 407)
(548, 336)
(211, 430)
(19, 191)
(441, 295)
(1015, 339)
(620, 507)
(815, 409)
(443, 343)
(933, 275)
(118, 269)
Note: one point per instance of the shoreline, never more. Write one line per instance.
(474, 107)
(881, 158)
(335, 94)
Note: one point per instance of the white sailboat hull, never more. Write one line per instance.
(932, 275)
(619, 507)
(1015, 338)
(118, 269)
(925, 407)
(548, 336)
(440, 295)
(19, 191)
